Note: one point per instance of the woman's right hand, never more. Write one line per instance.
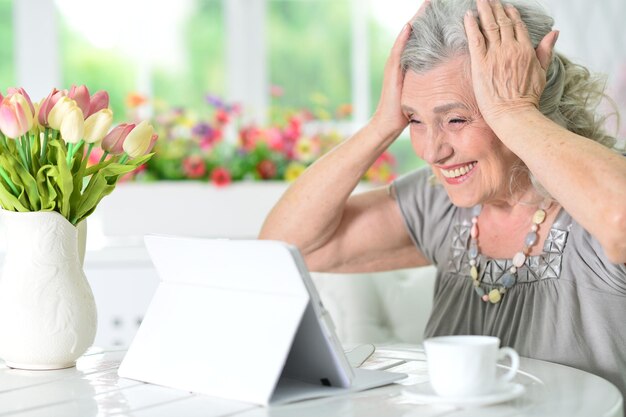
(388, 119)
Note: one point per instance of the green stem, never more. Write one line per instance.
(5, 176)
(3, 141)
(89, 149)
(44, 145)
(26, 140)
(20, 150)
(104, 156)
(70, 153)
(123, 159)
(75, 147)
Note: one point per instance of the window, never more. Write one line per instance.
(172, 51)
(309, 54)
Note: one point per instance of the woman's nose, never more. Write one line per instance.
(436, 148)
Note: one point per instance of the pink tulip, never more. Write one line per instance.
(15, 116)
(113, 142)
(97, 102)
(20, 90)
(80, 95)
(47, 104)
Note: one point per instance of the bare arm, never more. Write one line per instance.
(333, 230)
(337, 232)
(586, 178)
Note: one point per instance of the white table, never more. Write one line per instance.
(94, 389)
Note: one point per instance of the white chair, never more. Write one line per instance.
(388, 307)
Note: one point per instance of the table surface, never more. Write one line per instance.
(94, 389)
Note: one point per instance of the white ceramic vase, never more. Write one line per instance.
(47, 310)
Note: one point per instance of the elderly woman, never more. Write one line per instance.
(522, 207)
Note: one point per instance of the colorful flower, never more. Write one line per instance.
(80, 94)
(194, 166)
(249, 136)
(46, 106)
(344, 111)
(113, 142)
(16, 117)
(73, 125)
(222, 116)
(293, 171)
(140, 140)
(134, 100)
(97, 102)
(276, 91)
(97, 125)
(266, 169)
(306, 149)
(220, 177)
(60, 109)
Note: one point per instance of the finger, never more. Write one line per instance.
(488, 23)
(475, 38)
(393, 62)
(545, 49)
(505, 24)
(403, 36)
(521, 32)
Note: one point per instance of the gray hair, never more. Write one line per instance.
(571, 95)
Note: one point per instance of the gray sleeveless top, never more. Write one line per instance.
(569, 303)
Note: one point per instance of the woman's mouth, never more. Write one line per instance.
(458, 174)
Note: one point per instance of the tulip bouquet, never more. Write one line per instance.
(45, 149)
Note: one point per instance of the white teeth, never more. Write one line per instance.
(454, 173)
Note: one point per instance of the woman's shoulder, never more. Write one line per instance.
(584, 257)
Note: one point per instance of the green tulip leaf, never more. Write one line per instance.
(101, 184)
(64, 182)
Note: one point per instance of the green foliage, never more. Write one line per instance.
(7, 70)
(204, 69)
(35, 182)
(309, 51)
(98, 69)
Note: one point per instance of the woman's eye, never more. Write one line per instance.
(458, 120)
(414, 121)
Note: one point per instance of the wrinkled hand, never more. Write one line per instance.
(388, 117)
(507, 73)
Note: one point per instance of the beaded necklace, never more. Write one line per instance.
(509, 278)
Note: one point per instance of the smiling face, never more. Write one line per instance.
(449, 133)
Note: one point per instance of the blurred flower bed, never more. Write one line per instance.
(215, 144)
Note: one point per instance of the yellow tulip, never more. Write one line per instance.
(57, 113)
(138, 140)
(73, 125)
(97, 125)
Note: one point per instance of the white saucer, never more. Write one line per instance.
(424, 394)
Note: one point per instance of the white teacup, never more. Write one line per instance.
(465, 366)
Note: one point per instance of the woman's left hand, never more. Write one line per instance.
(507, 73)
